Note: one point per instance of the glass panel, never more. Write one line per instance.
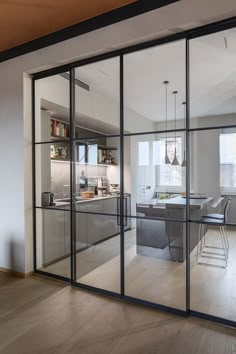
(146, 104)
(213, 174)
(155, 268)
(212, 80)
(156, 189)
(213, 277)
(97, 172)
(98, 250)
(97, 150)
(52, 108)
(52, 175)
(53, 241)
(97, 99)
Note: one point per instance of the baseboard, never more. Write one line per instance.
(15, 273)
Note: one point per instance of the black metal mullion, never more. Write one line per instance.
(212, 318)
(122, 241)
(33, 177)
(121, 215)
(52, 276)
(212, 128)
(187, 176)
(72, 177)
(190, 34)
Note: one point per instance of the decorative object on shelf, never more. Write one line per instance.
(114, 188)
(175, 161)
(105, 156)
(167, 160)
(59, 129)
(184, 160)
(100, 155)
(58, 152)
(103, 186)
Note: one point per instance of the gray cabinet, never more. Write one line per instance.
(81, 231)
(67, 232)
(96, 220)
(53, 235)
(111, 221)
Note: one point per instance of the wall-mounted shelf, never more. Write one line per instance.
(60, 131)
(59, 138)
(107, 164)
(105, 147)
(55, 159)
(86, 164)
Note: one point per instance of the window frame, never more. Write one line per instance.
(226, 190)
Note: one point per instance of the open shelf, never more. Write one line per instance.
(86, 164)
(105, 147)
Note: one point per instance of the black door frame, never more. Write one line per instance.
(187, 36)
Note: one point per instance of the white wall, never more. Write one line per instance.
(92, 104)
(12, 225)
(205, 163)
(27, 114)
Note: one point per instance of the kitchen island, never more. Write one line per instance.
(161, 228)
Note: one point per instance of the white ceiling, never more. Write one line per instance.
(212, 77)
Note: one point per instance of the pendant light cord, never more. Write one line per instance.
(166, 83)
(175, 93)
(184, 103)
(166, 111)
(175, 120)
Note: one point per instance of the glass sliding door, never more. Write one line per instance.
(97, 175)
(52, 175)
(139, 183)
(212, 173)
(155, 174)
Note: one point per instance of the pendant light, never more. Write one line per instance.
(175, 161)
(184, 160)
(167, 160)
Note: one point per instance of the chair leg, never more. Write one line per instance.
(209, 254)
(225, 241)
(224, 246)
(204, 236)
(199, 242)
(226, 236)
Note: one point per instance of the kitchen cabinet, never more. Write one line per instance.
(67, 232)
(81, 231)
(96, 220)
(97, 228)
(110, 207)
(53, 235)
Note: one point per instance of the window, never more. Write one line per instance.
(152, 154)
(143, 153)
(169, 175)
(228, 161)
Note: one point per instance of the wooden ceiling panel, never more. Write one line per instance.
(24, 20)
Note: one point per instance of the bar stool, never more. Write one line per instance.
(214, 220)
